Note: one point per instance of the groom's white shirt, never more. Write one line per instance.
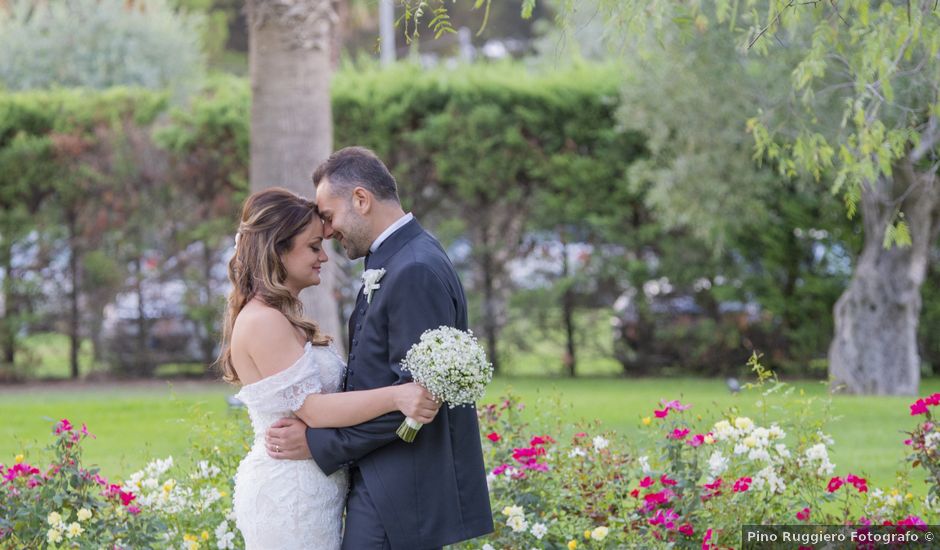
(389, 230)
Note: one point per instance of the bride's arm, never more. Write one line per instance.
(340, 410)
(273, 348)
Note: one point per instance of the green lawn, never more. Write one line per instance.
(136, 422)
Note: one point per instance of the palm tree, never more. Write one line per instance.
(291, 63)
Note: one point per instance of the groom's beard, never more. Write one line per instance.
(356, 240)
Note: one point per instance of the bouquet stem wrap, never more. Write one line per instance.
(409, 429)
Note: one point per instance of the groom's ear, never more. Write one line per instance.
(362, 200)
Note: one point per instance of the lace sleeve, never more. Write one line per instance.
(292, 397)
(286, 390)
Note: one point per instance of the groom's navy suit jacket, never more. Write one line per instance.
(433, 491)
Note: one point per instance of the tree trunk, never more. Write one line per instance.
(567, 311)
(208, 339)
(10, 310)
(874, 350)
(142, 366)
(74, 337)
(490, 305)
(291, 118)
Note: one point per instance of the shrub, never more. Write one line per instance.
(69, 505)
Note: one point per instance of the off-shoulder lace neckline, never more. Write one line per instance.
(308, 347)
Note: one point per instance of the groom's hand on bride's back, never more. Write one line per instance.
(287, 439)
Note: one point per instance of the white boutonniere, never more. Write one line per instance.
(370, 282)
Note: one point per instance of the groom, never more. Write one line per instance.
(408, 496)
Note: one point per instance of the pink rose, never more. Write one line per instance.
(834, 484)
(742, 484)
(706, 538)
(63, 426)
(678, 434)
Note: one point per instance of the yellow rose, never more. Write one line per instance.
(189, 538)
(709, 439)
(743, 423)
(205, 535)
(54, 536)
(572, 544)
(599, 533)
(908, 496)
(223, 494)
(19, 459)
(587, 534)
(74, 530)
(646, 421)
(54, 518)
(84, 514)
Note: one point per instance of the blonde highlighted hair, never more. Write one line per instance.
(270, 221)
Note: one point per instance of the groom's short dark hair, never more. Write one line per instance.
(357, 166)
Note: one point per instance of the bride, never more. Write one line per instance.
(285, 365)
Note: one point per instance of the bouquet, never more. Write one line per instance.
(451, 365)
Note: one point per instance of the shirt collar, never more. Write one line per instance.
(399, 223)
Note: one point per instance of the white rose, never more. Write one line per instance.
(539, 530)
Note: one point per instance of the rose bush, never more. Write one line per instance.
(689, 480)
(68, 505)
(167, 504)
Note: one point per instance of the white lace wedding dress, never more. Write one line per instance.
(287, 504)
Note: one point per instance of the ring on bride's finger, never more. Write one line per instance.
(277, 448)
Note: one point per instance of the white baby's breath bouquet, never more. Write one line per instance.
(451, 365)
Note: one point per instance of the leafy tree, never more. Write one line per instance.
(98, 44)
(209, 145)
(862, 115)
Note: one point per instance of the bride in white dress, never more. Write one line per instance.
(286, 366)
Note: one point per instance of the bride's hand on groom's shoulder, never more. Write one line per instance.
(416, 403)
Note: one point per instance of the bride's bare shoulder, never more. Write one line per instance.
(264, 336)
(260, 322)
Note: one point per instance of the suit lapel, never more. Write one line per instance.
(393, 244)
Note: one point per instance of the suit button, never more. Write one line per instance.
(352, 355)
(355, 341)
(358, 326)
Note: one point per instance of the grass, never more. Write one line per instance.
(136, 422)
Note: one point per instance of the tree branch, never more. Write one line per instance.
(771, 24)
(928, 142)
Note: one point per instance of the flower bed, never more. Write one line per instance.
(690, 480)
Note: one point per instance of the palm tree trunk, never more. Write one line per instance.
(290, 44)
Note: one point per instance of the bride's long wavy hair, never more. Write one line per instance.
(270, 221)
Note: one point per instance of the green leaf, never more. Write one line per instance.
(527, 7)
